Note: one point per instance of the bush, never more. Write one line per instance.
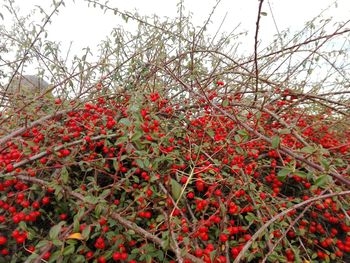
(182, 155)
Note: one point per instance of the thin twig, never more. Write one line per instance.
(243, 252)
(256, 52)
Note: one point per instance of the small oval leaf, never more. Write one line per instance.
(77, 236)
(275, 142)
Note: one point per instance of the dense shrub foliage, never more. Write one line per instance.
(191, 177)
(168, 159)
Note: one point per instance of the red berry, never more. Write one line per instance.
(20, 239)
(218, 192)
(124, 256)
(116, 256)
(36, 205)
(200, 185)
(4, 252)
(262, 196)
(103, 221)
(221, 259)
(100, 244)
(223, 238)
(43, 160)
(31, 248)
(63, 216)
(338, 253)
(247, 237)
(190, 195)
(47, 255)
(3, 240)
(45, 200)
(89, 254)
(198, 252)
(101, 259)
(148, 214)
(9, 167)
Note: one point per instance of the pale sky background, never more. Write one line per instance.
(87, 26)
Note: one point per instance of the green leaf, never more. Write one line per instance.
(300, 174)
(136, 136)
(250, 217)
(225, 103)
(125, 121)
(275, 142)
(105, 193)
(252, 256)
(159, 254)
(91, 200)
(86, 232)
(308, 149)
(211, 133)
(57, 242)
(42, 243)
(284, 131)
(121, 139)
(258, 115)
(146, 162)
(109, 253)
(115, 165)
(78, 259)
(135, 251)
(54, 256)
(238, 138)
(212, 255)
(77, 218)
(239, 150)
(282, 174)
(69, 250)
(243, 132)
(263, 13)
(140, 163)
(131, 232)
(32, 257)
(324, 151)
(64, 175)
(55, 230)
(98, 209)
(166, 238)
(175, 189)
(160, 218)
(325, 163)
(22, 225)
(339, 162)
(134, 108)
(322, 180)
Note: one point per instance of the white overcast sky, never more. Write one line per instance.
(84, 26)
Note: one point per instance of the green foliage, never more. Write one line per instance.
(172, 145)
